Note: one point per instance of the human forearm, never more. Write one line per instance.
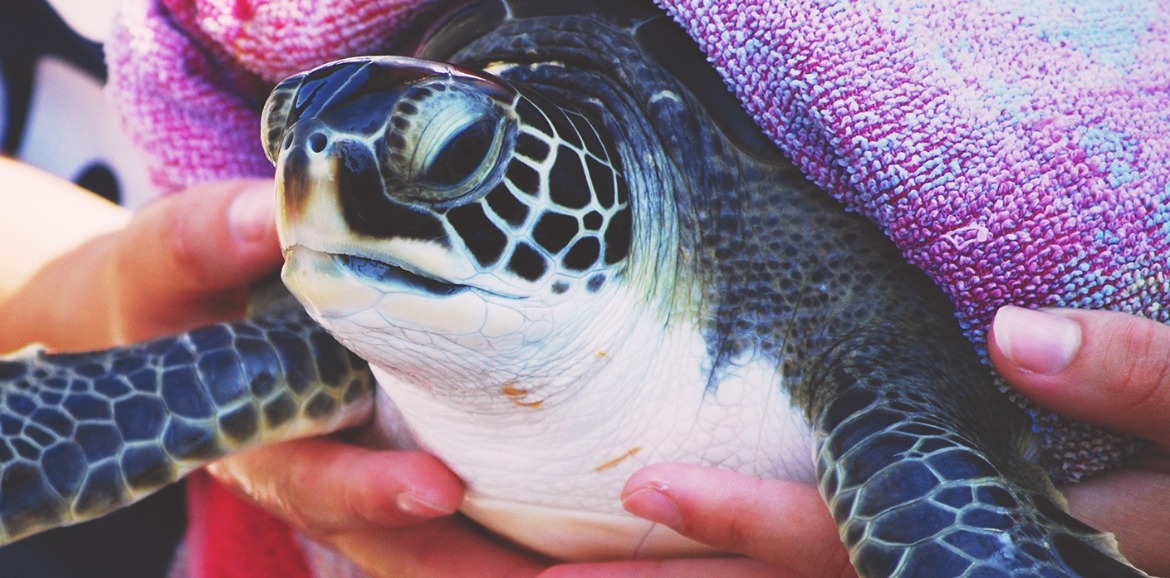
(44, 217)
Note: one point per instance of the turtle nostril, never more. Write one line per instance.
(317, 142)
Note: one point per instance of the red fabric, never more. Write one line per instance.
(228, 538)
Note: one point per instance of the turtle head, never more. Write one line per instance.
(439, 199)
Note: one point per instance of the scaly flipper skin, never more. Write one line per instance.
(920, 488)
(84, 434)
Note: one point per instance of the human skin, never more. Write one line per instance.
(187, 259)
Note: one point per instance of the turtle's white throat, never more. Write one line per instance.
(545, 429)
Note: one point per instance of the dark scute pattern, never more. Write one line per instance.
(527, 262)
(987, 519)
(618, 236)
(27, 498)
(622, 190)
(532, 147)
(184, 394)
(54, 420)
(561, 124)
(368, 210)
(356, 389)
(260, 364)
(532, 116)
(99, 440)
(593, 221)
(567, 185)
(589, 135)
(220, 371)
(90, 370)
(240, 424)
(505, 205)
(263, 384)
(595, 283)
(320, 406)
(296, 365)
(188, 441)
(933, 559)
(209, 338)
(333, 363)
(10, 425)
(583, 255)
(485, 241)
(11, 370)
(144, 380)
(146, 467)
(523, 177)
(955, 497)
(39, 436)
(854, 431)
(914, 523)
(899, 483)
(101, 436)
(845, 406)
(602, 178)
(878, 455)
(173, 357)
(102, 490)
(961, 464)
(21, 404)
(975, 544)
(124, 364)
(986, 572)
(64, 467)
(142, 418)
(279, 410)
(554, 231)
(997, 496)
(877, 560)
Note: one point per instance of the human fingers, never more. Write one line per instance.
(187, 259)
(782, 523)
(450, 547)
(1111, 369)
(325, 487)
(1133, 504)
(671, 568)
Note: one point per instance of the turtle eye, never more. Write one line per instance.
(461, 155)
(446, 141)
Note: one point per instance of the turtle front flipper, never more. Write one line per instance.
(920, 488)
(84, 434)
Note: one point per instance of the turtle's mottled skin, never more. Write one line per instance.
(574, 224)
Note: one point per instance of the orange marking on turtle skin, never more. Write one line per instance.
(511, 390)
(614, 462)
(517, 394)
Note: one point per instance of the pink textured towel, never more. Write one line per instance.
(1018, 152)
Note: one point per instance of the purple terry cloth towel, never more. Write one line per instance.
(1015, 151)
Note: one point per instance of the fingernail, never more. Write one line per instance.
(1038, 341)
(253, 213)
(653, 503)
(420, 507)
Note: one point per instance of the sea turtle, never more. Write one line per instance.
(565, 253)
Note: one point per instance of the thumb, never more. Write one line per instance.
(188, 258)
(1106, 368)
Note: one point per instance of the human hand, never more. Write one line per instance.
(1112, 370)
(186, 260)
(1105, 368)
(182, 261)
